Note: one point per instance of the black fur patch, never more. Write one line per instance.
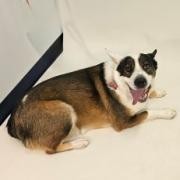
(126, 66)
(148, 63)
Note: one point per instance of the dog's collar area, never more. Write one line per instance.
(113, 85)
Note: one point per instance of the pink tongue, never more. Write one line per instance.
(138, 95)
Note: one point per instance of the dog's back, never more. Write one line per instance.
(49, 111)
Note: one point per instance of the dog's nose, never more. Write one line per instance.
(140, 81)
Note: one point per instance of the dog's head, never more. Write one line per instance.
(138, 74)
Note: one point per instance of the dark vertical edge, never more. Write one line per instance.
(8, 104)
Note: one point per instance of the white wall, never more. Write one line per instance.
(19, 27)
(90, 26)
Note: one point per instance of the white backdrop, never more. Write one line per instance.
(150, 151)
(25, 33)
(89, 26)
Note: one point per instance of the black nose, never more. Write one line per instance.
(140, 82)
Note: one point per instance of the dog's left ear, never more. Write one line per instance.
(153, 53)
(114, 57)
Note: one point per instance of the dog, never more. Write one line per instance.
(53, 115)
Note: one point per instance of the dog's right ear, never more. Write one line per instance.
(114, 57)
(153, 54)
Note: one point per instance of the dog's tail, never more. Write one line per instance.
(11, 127)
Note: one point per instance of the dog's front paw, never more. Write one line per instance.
(161, 93)
(157, 94)
(169, 113)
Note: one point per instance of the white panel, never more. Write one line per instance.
(18, 25)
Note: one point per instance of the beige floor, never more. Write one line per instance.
(147, 152)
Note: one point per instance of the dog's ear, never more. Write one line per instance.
(114, 57)
(153, 53)
(154, 61)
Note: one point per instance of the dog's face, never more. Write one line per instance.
(138, 74)
(135, 74)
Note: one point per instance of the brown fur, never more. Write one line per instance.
(37, 123)
(45, 119)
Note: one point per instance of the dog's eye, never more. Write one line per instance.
(128, 68)
(146, 65)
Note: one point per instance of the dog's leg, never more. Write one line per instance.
(136, 119)
(78, 143)
(157, 94)
(150, 115)
(161, 114)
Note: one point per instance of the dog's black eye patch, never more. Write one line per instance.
(148, 64)
(126, 66)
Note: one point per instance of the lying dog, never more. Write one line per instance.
(113, 94)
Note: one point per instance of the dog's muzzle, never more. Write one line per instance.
(140, 82)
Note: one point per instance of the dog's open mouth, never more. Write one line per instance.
(139, 95)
